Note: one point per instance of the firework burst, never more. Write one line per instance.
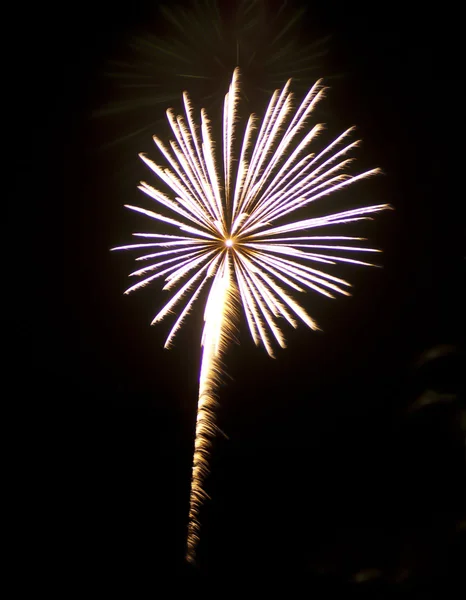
(197, 45)
(233, 234)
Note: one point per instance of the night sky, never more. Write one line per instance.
(331, 469)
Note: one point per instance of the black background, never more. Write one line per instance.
(326, 471)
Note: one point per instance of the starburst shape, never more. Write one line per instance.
(197, 45)
(236, 230)
(240, 208)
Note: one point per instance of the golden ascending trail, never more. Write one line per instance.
(235, 239)
(219, 321)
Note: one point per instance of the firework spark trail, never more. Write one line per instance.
(220, 317)
(236, 236)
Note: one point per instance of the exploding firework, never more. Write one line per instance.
(233, 234)
(197, 45)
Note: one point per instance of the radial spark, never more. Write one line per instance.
(236, 236)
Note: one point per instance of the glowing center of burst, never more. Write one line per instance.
(229, 243)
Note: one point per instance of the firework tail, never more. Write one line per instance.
(219, 321)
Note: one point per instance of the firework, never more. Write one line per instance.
(234, 235)
(197, 45)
